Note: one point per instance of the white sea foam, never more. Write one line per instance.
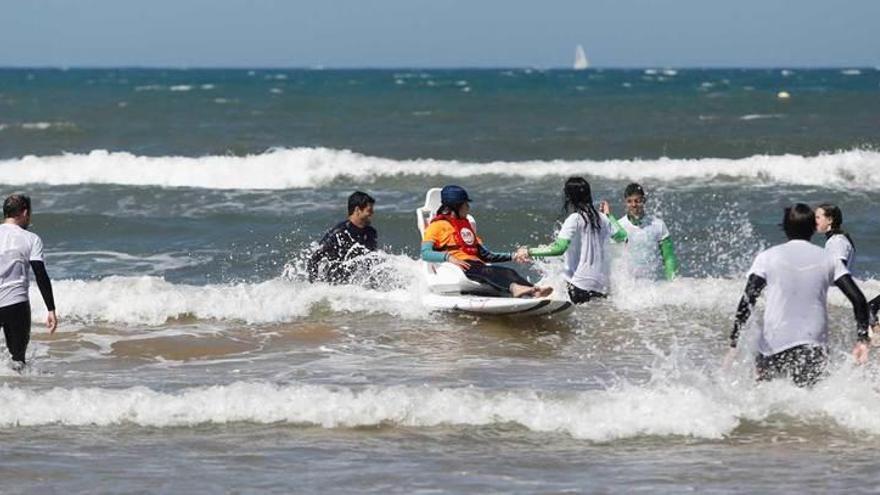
(851, 72)
(692, 404)
(36, 126)
(154, 301)
(181, 87)
(149, 300)
(761, 116)
(44, 126)
(314, 167)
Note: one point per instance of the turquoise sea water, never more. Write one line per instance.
(175, 206)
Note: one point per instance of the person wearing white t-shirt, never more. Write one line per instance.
(648, 243)
(797, 275)
(583, 239)
(838, 243)
(20, 252)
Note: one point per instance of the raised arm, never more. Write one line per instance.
(618, 233)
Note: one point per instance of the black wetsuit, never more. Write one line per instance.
(333, 261)
(16, 318)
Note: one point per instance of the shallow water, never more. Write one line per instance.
(193, 355)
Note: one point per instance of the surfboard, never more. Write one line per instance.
(496, 306)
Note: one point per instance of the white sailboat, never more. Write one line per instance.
(580, 58)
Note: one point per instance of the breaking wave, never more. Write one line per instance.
(695, 406)
(314, 167)
(149, 300)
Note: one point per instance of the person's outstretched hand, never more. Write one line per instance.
(860, 352)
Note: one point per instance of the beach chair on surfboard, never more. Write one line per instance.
(446, 278)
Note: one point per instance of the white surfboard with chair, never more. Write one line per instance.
(451, 290)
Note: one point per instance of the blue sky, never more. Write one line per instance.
(439, 33)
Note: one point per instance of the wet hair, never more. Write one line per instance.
(833, 212)
(15, 205)
(359, 199)
(632, 190)
(449, 209)
(799, 222)
(579, 199)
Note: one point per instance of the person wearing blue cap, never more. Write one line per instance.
(451, 237)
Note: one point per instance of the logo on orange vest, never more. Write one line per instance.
(468, 236)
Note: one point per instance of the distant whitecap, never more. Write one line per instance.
(761, 116)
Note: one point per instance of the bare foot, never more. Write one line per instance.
(543, 291)
(517, 290)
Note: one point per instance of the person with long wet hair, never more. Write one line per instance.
(838, 243)
(450, 237)
(583, 240)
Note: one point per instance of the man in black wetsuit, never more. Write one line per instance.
(335, 259)
(21, 252)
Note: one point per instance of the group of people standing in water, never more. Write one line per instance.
(796, 275)
(450, 237)
(583, 241)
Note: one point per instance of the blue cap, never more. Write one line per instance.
(453, 195)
